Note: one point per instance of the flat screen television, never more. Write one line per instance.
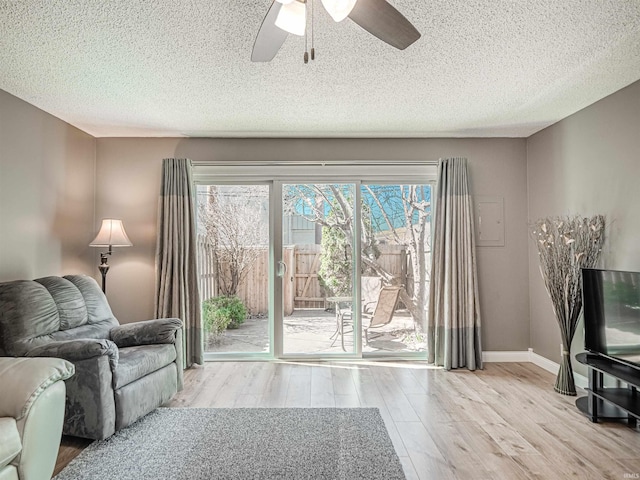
(611, 302)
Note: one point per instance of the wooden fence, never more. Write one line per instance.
(207, 274)
(301, 285)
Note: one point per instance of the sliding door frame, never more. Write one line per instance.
(355, 268)
(209, 356)
(276, 174)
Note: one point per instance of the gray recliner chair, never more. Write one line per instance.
(122, 371)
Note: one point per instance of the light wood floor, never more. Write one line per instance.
(504, 422)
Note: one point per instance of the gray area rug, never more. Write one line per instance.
(244, 443)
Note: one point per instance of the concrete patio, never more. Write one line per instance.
(310, 331)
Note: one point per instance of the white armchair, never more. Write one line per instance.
(32, 399)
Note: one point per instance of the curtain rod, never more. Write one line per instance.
(344, 163)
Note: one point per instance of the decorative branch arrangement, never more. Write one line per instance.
(565, 246)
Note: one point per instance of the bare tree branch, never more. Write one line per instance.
(413, 214)
(384, 213)
(235, 227)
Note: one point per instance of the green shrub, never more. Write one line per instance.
(336, 261)
(223, 312)
(336, 267)
(212, 322)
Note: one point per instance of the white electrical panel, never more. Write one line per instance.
(489, 219)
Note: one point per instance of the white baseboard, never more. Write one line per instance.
(532, 357)
(505, 356)
(543, 362)
(553, 367)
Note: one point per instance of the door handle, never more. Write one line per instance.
(282, 269)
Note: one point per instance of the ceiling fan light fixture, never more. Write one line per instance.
(339, 9)
(292, 18)
(378, 17)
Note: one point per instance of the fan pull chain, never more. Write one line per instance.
(313, 50)
(306, 33)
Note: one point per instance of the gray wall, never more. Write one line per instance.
(52, 174)
(128, 170)
(57, 182)
(589, 163)
(46, 193)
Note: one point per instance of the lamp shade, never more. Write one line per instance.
(292, 18)
(111, 234)
(339, 9)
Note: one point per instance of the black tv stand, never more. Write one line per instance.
(609, 403)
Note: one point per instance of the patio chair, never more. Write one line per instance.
(383, 311)
(382, 315)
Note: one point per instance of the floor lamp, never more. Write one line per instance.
(111, 235)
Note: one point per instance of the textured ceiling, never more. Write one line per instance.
(172, 68)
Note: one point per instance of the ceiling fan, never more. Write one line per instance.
(378, 17)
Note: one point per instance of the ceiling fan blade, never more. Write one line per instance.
(270, 38)
(381, 19)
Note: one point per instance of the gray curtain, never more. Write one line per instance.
(176, 267)
(454, 314)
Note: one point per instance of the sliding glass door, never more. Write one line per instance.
(318, 253)
(396, 260)
(234, 268)
(336, 268)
